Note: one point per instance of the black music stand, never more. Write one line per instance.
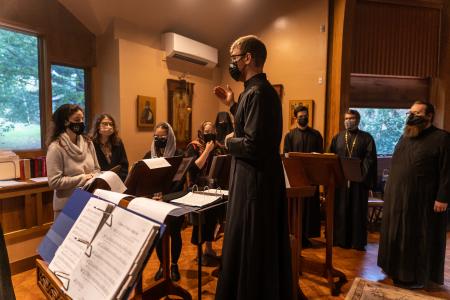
(143, 181)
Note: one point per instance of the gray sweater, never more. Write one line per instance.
(68, 167)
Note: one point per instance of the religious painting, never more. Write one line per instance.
(280, 90)
(293, 104)
(146, 112)
(180, 94)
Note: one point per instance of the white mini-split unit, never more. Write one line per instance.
(184, 48)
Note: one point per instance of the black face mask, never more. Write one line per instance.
(160, 142)
(415, 120)
(77, 128)
(302, 121)
(235, 73)
(207, 137)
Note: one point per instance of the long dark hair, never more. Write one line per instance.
(113, 138)
(59, 121)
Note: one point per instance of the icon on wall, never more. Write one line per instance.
(146, 112)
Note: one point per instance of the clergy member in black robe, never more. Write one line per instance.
(413, 229)
(306, 139)
(256, 251)
(350, 203)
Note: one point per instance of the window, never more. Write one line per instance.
(385, 125)
(19, 91)
(68, 86)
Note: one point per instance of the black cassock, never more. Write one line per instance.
(256, 252)
(350, 203)
(307, 140)
(413, 236)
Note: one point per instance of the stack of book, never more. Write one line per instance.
(32, 167)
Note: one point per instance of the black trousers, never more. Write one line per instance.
(174, 225)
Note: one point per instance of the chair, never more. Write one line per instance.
(375, 207)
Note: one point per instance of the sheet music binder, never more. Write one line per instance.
(64, 224)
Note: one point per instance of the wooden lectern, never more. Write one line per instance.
(307, 169)
(295, 196)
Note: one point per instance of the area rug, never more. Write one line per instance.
(369, 290)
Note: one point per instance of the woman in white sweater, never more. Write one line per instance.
(71, 158)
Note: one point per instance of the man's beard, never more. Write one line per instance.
(412, 131)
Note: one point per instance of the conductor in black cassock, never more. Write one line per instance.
(413, 229)
(350, 205)
(256, 251)
(306, 139)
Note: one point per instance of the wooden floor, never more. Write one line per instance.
(353, 263)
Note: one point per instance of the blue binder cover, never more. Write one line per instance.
(63, 224)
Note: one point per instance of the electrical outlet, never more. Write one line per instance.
(322, 28)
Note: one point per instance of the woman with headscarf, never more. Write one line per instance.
(203, 149)
(164, 145)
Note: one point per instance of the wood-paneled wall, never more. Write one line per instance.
(396, 38)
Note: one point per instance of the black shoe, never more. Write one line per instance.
(408, 285)
(159, 274)
(174, 273)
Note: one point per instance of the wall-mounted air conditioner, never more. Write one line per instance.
(184, 48)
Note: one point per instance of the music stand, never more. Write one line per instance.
(305, 169)
(143, 181)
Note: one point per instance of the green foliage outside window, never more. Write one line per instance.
(19, 91)
(67, 86)
(385, 125)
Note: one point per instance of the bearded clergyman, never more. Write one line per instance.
(413, 230)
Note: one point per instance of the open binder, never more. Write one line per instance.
(98, 249)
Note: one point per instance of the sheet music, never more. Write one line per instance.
(110, 196)
(156, 163)
(156, 210)
(39, 179)
(113, 180)
(114, 255)
(216, 191)
(66, 257)
(195, 199)
(286, 179)
(6, 183)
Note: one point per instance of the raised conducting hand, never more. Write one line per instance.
(440, 206)
(225, 95)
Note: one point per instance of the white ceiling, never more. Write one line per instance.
(214, 22)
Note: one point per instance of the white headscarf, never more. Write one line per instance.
(171, 145)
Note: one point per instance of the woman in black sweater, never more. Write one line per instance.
(108, 146)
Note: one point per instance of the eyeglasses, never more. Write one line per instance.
(414, 113)
(233, 57)
(160, 136)
(111, 124)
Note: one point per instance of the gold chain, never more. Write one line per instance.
(350, 151)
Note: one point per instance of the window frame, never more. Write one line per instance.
(45, 86)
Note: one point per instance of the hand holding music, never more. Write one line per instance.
(227, 137)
